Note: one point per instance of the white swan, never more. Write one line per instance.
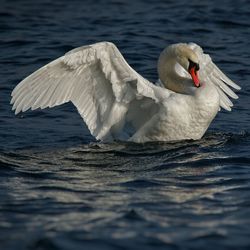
(117, 103)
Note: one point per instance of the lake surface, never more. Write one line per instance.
(60, 189)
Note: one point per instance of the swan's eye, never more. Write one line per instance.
(194, 65)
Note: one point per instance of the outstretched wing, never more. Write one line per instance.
(209, 72)
(99, 82)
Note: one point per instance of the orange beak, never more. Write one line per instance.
(193, 72)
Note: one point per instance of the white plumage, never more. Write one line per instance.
(117, 103)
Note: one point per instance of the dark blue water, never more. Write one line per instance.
(59, 189)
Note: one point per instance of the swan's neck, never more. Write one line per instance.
(170, 78)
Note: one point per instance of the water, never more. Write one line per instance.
(59, 189)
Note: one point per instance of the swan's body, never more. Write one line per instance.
(118, 104)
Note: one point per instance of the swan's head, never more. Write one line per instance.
(187, 58)
(175, 64)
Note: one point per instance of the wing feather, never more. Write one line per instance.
(221, 85)
(209, 72)
(96, 79)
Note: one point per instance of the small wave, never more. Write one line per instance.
(139, 183)
(235, 138)
(232, 24)
(133, 215)
(209, 236)
(18, 42)
(43, 243)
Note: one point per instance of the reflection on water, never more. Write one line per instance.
(162, 192)
(180, 172)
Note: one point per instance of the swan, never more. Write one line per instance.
(117, 103)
